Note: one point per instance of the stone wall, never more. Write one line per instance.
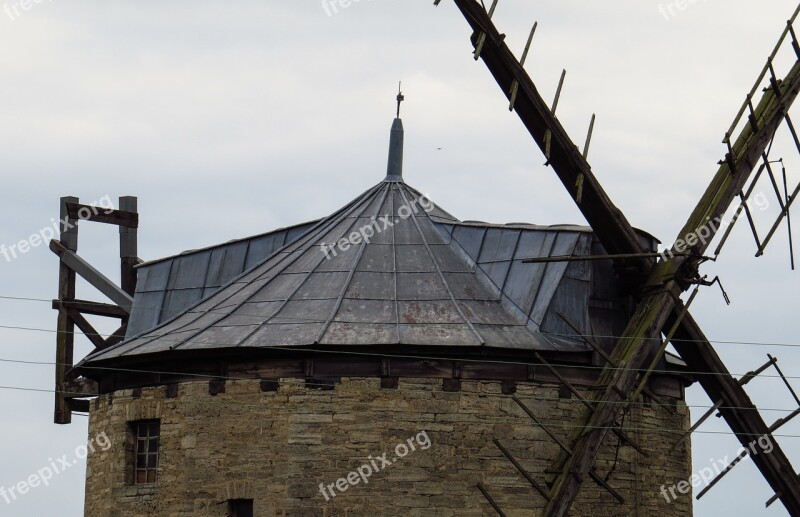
(276, 447)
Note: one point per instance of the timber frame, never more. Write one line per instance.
(657, 284)
(70, 390)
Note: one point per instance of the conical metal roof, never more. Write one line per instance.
(383, 270)
(389, 268)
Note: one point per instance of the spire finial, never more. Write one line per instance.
(394, 171)
(400, 97)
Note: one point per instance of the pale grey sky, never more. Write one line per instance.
(231, 119)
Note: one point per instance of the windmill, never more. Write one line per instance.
(657, 281)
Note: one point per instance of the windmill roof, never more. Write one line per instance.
(423, 280)
(390, 268)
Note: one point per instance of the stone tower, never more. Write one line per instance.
(388, 359)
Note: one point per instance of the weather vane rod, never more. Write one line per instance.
(400, 97)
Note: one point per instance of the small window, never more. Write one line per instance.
(240, 508)
(146, 434)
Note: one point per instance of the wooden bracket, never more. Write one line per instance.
(71, 312)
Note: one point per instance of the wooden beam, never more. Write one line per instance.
(491, 500)
(608, 222)
(93, 308)
(667, 282)
(521, 469)
(737, 409)
(117, 337)
(98, 214)
(619, 238)
(65, 335)
(128, 249)
(93, 276)
(86, 327)
(70, 311)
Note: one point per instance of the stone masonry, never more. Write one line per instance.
(276, 447)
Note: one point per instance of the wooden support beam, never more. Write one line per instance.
(592, 473)
(666, 283)
(522, 470)
(117, 337)
(122, 217)
(618, 238)
(128, 247)
(613, 230)
(622, 435)
(746, 378)
(65, 336)
(86, 327)
(92, 275)
(607, 359)
(491, 500)
(745, 453)
(70, 310)
(737, 409)
(94, 308)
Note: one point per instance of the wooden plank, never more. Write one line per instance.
(522, 470)
(87, 328)
(65, 335)
(622, 435)
(122, 217)
(737, 409)
(93, 276)
(117, 337)
(93, 308)
(491, 500)
(128, 250)
(68, 225)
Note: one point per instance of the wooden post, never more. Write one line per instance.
(128, 251)
(70, 311)
(65, 337)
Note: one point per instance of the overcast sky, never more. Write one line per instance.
(231, 119)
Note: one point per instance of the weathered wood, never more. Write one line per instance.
(668, 280)
(70, 311)
(622, 435)
(122, 217)
(92, 275)
(68, 226)
(87, 328)
(65, 336)
(737, 409)
(521, 469)
(654, 310)
(128, 248)
(592, 473)
(713, 409)
(491, 500)
(93, 308)
(618, 237)
(117, 337)
(611, 226)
